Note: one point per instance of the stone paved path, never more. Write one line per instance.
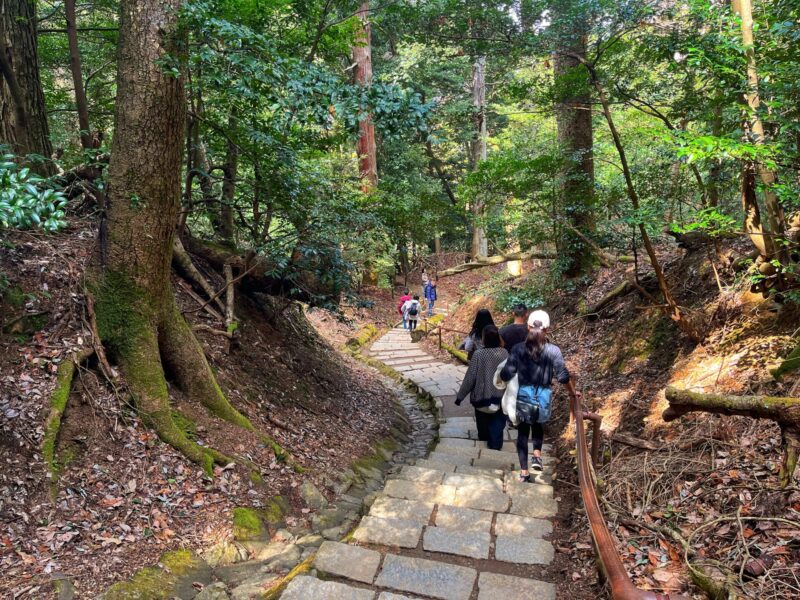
(454, 526)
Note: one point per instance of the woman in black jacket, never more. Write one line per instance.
(483, 395)
(537, 362)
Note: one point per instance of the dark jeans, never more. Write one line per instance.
(490, 428)
(523, 431)
(412, 324)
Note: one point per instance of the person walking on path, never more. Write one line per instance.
(517, 331)
(474, 340)
(425, 279)
(483, 395)
(411, 310)
(536, 363)
(403, 299)
(430, 295)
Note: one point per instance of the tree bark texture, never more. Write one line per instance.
(77, 76)
(23, 119)
(575, 136)
(136, 311)
(784, 411)
(362, 57)
(775, 216)
(480, 244)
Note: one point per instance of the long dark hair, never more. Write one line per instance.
(535, 343)
(491, 337)
(482, 318)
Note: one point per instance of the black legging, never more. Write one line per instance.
(523, 431)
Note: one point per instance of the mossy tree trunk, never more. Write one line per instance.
(136, 312)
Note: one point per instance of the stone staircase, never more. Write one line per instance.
(456, 525)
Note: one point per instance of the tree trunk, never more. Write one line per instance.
(487, 261)
(230, 171)
(715, 171)
(137, 317)
(574, 123)
(23, 119)
(77, 76)
(784, 411)
(752, 213)
(480, 245)
(362, 57)
(672, 310)
(775, 216)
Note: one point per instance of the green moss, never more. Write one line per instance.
(256, 477)
(156, 583)
(246, 524)
(185, 424)
(14, 296)
(364, 336)
(459, 354)
(276, 509)
(789, 364)
(276, 590)
(119, 308)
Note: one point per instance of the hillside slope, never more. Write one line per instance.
(119, 497)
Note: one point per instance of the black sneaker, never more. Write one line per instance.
(525, 478)
(536, 464)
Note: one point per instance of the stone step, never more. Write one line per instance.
(388, 532)
(304, 587)
(350, 562)
(429, 578)
(493, 586)
(386, 507)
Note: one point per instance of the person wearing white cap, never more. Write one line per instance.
(536, 363)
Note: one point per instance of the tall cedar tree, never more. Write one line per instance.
(136, 311)
(23, 119)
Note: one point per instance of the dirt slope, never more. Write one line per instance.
(123, 497)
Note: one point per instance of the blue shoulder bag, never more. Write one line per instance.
(533, 404)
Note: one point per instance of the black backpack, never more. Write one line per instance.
(413, 309)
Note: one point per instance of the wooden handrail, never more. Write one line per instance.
(622, 588)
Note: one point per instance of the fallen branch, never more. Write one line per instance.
(209, 329)
(488, 261)
(629, 440)
(784, 411)
(183, 263)
(606, 259)
(204, 304)
(256, 273)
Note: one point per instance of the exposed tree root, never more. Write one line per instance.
(145, 342)
(58, 405)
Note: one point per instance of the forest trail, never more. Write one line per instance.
(454, 526)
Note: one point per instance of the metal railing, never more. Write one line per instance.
(610, 563)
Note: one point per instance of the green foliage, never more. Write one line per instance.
(26, 201)
(711, 221)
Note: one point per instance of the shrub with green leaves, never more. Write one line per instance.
(25, 202)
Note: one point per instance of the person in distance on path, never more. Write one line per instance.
(517, 331)
(537, 362)
(483, 395)
(411, 310)
(403, 299)
(430, 295)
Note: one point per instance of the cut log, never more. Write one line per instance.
(784, 411)
(488, 261)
